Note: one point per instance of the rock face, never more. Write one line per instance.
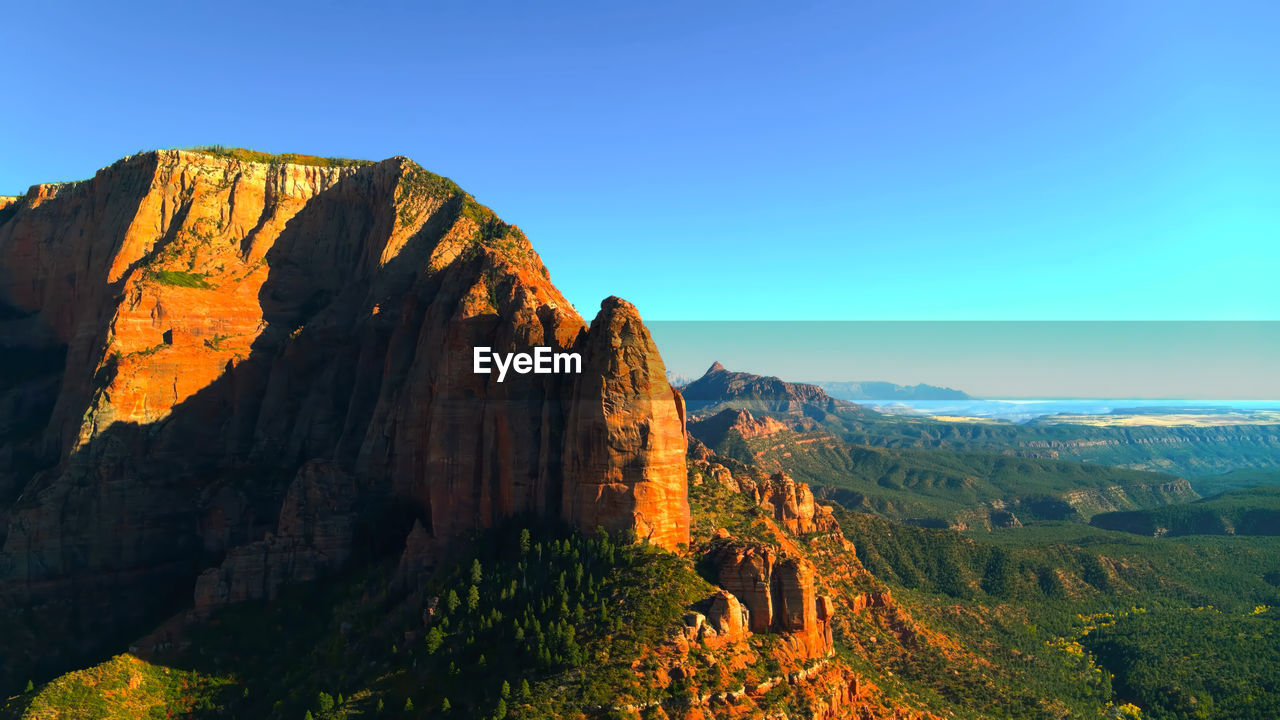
(741, 422)
(250, 372)
(778, 592)
(791, 503)
(315, 533)
(625, 442)
(727, 617)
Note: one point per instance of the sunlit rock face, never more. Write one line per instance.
(249, 372)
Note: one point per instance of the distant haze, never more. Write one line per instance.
(1185, 360)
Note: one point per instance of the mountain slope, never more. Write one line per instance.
(241, 374)
(1251, 511)
(936, 488)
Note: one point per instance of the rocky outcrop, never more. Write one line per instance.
(624, 440)
(734, 422)
(779, 594)
(242, 372)
(416, 558)
(791, 504)
(717, 621)
(727, 617)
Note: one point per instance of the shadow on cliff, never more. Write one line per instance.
(141, 509)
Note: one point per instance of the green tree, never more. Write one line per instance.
(324, 702)
(445, 707)
(435, 639)
(476, 573)
(524, 542)
(30, 686)
(505, 692)
(997, 580)
(525, 692)
(452, 601)
(473, 598)
(408, 704)
(308, 716)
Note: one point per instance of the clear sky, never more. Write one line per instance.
(1091, 159)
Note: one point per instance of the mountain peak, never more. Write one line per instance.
(715, 367)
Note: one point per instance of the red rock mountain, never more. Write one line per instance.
(223, 375)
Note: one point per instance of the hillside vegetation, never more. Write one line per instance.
(1252, 511)
(942, 488)
(256, 156)
(1183, 624)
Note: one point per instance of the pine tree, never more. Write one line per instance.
(30, 686)
(445, 707)
(435, 639)
(525, 692)
(452, 601)
(476, 574)
(473, 598)
(524, 542)
(500, 711)
(408, 704)
(324, 701)
(308, 716)
(505, 692)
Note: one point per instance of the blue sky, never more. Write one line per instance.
(806, 160)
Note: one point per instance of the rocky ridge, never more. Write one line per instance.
(788, 577)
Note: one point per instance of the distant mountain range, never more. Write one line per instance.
(850, 391)
(1188, 451)
(876, 390)
(846, 391)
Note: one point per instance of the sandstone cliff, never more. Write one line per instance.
(256, 370)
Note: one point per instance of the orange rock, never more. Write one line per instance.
(241, 361)
(726, 619)
(779, 593)
(624, 441)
